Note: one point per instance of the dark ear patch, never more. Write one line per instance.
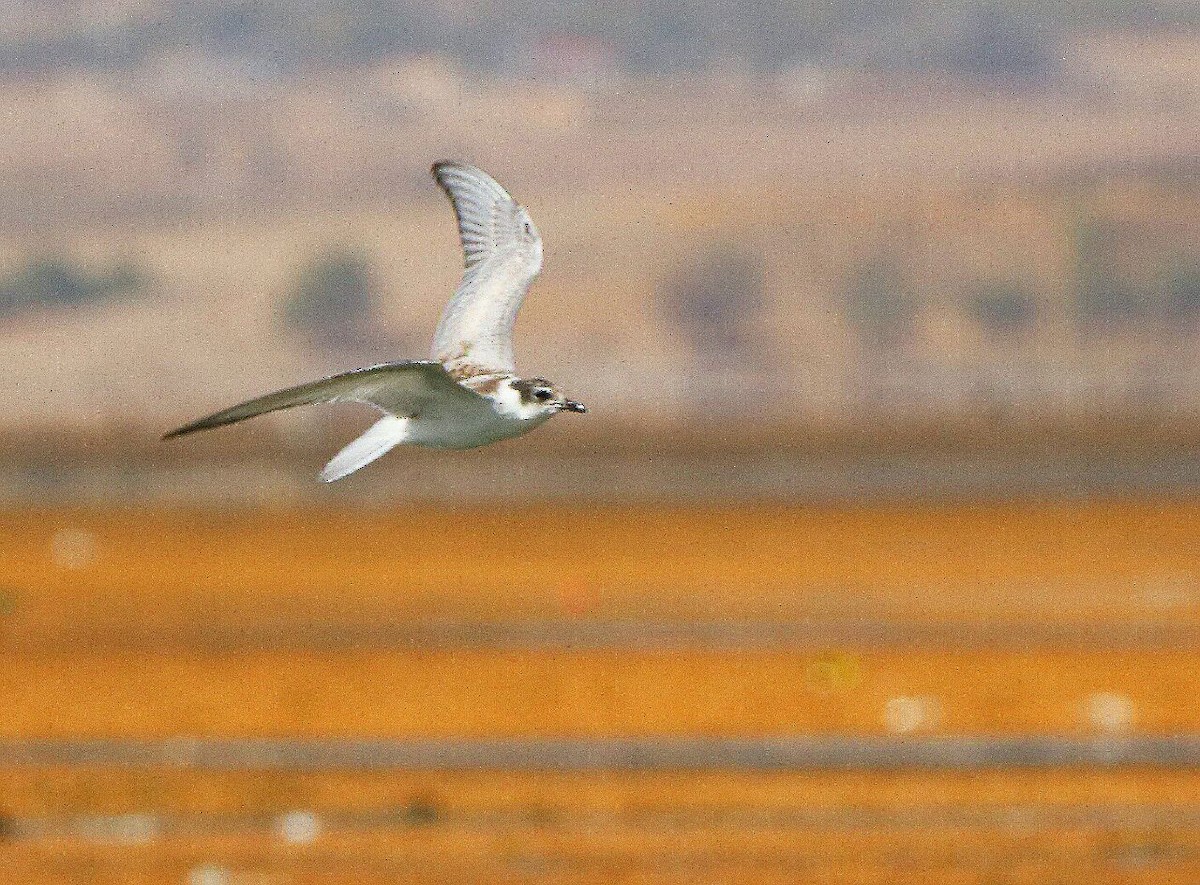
(527, 386)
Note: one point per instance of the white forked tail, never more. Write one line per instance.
(379, 439)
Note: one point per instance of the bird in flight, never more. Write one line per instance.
(469, 394)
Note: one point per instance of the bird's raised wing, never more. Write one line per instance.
(502, 252)
(403, 389)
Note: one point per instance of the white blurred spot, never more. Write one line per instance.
(904, 715)
(1110, 712)
(298, 827)
(209, 874)
(72, 548)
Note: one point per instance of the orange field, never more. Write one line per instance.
(893, 623)
(156, 578)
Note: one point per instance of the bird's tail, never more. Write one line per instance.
(379, 439)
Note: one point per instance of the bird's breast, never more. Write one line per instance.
(468, 428)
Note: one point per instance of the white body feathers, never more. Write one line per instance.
(457, 425)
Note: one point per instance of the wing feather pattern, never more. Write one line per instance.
(401, 388)
(502, 254)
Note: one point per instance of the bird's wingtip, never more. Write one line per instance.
(183, 431)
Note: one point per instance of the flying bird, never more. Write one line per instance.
(469, 393)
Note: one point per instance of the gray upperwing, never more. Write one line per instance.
(398, 388)
(502, 253)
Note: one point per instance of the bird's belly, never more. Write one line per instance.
(466, 430)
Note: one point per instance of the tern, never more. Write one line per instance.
(469, 393)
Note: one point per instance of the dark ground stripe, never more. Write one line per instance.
(534, 476)
(142, 827)
(621, 754)
(622, 635)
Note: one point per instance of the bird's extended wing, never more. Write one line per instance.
(502, 252)
(403, 389)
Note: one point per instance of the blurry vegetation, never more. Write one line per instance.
(1104, 295)
(57, 281)
(994, 42)
(333, 297)
(1183, 293)
(421, 812)
(714, 298)
(1002, 37)
(1128, 275)
(879, 302)
(339, 32)
(1002, 308)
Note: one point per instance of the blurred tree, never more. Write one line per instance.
(997, 42)
(1003, 308)
(339, 32)
(1103, 295)
(714, 298)
(879, 302)
(1183, 293)
(57, 281)
(332, 298)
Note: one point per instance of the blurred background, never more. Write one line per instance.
(874, 561)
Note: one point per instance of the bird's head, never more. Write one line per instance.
(532, 398)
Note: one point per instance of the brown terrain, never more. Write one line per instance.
(220, 193)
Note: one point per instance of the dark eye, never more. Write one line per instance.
(542, 394)
(528, 229)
